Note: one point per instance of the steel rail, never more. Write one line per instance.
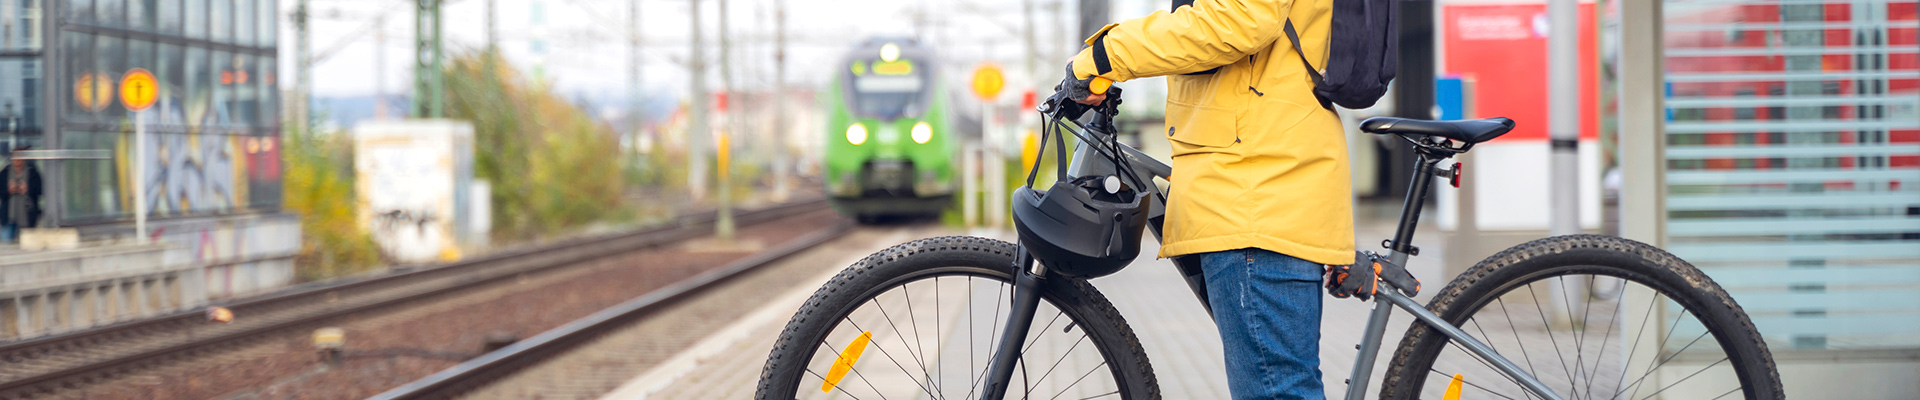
(453, 277)
(488, 368)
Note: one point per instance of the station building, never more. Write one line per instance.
(212, 165)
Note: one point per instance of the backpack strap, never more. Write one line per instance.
(1318, 80)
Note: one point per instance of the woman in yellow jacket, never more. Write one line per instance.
(1261, 190)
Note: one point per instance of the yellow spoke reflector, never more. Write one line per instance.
(1453, 389)
(852, 354)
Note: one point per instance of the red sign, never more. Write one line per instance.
(1503, 48)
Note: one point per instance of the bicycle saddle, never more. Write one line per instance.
(1470, 130)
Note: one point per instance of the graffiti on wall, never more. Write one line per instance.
(192, 173)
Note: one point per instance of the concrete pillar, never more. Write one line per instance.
(9, 318)
(83, 307)
(59, 311)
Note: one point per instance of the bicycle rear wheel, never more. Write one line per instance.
(1549, 306)
(920, 321)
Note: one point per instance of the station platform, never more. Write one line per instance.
(1180, 339)
(107, 277)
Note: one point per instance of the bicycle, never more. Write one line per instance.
(819, 353)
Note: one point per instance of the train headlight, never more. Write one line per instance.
(857, 134)
(922, 133)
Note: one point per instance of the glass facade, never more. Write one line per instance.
(212, 134)
(1793, 164)
(22, 72)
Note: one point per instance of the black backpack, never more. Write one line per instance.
(1362, 55)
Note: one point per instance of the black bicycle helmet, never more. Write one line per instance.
(1079, 228)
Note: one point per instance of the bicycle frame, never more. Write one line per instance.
(1087, 162)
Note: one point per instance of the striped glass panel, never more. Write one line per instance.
(1793, 164)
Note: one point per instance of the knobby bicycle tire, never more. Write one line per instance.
(1542, 259)
(1105, 329)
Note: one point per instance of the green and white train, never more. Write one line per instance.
(891, 147)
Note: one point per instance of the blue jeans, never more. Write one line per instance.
(1267, 306)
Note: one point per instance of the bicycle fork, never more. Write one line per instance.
(1027, 277)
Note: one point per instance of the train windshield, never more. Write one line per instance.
(883, 93)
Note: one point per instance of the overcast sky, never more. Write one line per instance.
(587, 51)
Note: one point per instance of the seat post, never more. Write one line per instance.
(1402, 244)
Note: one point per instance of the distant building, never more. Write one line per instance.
(212, 166)
(214, 147)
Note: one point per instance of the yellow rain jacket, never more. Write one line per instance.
(1256, 161)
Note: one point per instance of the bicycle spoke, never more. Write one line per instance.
(844, 391)
(1735, 389)
(1076, 382)
(1489, 366)
(1608, 337)
(939, 362)
(1580, 338)
(970, 353)
(915, 323)
(855, 371)
(1470, 383)
(903, 345)
(1101, 395)
(993, 333)
(1635, 346)
(1063, 358)
(896, 332)
(1516, 337)
(1663, 362)
(1490, 344)
(1043, 332)
(1544, 323)
(1689, 376)
(896, 362)
(1662, 345)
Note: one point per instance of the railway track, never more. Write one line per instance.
(475, 375)
(44, 366)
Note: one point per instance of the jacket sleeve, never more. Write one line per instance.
(1207, 34)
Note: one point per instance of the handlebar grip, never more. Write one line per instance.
(1099, 85)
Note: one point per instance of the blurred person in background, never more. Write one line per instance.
(1260, 192)
(22, 202)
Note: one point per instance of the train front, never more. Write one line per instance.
(890, 149)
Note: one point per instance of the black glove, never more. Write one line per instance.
(1345, 280)
(1074, 88)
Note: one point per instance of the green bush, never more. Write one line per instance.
(551, 166)
(318, 185)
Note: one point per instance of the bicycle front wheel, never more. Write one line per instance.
(920, 321)
(1592, 317)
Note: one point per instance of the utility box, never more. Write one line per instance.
(414, 181)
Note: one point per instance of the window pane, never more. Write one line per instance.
(269, 22)
(219, 20)
(79, 52)
(169, 11)
(269, 108)
(244, 91)
(109, 60)
(80, 11)
(199, 78)
(172, 76)
(243, 22)
(193, 19)
(20, 24)
(19, 96)
(92, 189)
(1791, 157)
(222, 82)
(110, 13)
(141, 15)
